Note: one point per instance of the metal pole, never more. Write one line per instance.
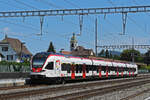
(132, 49)
(96, 36)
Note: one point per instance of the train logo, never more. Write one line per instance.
(58, 65)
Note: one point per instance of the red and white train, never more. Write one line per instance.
(58, 67)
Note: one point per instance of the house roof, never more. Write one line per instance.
(1, 55)
(81, 51)
(16, 45)
(66, 52)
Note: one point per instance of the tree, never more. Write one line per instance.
(127, 55)
(102, 53)
(147, 57)
(51, 48)
(107, 54)
(110, 55)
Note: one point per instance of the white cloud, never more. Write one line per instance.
(6, 29)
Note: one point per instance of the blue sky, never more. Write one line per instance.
(59, 31)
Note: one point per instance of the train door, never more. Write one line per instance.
(107, 71)
(117, 71)
(57, 67)
(100, 69)
(122, 70)
(84, 71)
(72, 71)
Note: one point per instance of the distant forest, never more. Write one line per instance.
(126, 55)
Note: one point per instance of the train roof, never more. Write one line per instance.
(49, 53)
(46, 54)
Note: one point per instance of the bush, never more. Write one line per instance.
(14, 66)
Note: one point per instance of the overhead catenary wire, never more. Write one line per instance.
(73, 4)
(126, 18)
(41, 18)
(29, 25)
(20, 25)
(25, 4)
(48, 3)
(12, 5)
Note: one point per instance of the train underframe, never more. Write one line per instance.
(44, 79)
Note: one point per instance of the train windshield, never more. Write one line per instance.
(38, 61)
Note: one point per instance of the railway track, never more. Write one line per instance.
(29, 86)
(135, 95)
(99, 91)
(78, 86)
(20, 87)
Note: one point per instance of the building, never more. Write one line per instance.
(1, 57)
(73, 43)
(76, 50)
(81, 51)
(65, 52)
(12, 49)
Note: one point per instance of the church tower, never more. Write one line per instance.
(73, 42)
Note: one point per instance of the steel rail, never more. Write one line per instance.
(97, 92)
(21, 94)
(135, 95)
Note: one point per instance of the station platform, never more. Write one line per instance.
(12, 82)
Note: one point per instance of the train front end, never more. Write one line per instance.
(38, 70)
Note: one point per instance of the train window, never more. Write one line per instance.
(134, 69)
(97, 69)
(90, 67)
(64, 67)
(50, 65)
(125, 69)
(87, 68)
(68, 68)
(116, 69)
(94, 68)
(80, 68)
(129, 69)
(109, 67)
(77, 68)
(112, 68)
(120, 69)
(84, 67)
(103, 68)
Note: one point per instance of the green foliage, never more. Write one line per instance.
(14, 66)
(147, 57)
(145, 67)
(26, 63)
(51, 48)
(102, 53)
(107, 54)
(116, 57)
(127, 55)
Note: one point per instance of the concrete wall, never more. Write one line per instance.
(13, 75)
(11, 68)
